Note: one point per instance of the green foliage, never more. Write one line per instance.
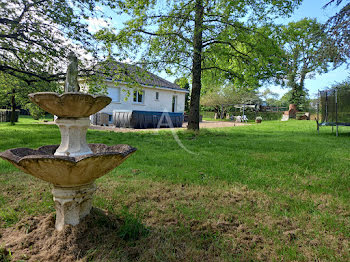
(35, 111)
(252, 57)
(10, 84)
(342, 85)
(268, 94)
(304, 101)
(183, 83)
(250, 115)
(5, 255)
(169, 31)
(305, 55)
(37, 35)
(14, 93)
(338, 27)
(221, 100)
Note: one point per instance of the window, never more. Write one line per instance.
(157, 95)
(114, 93)
(138, 97)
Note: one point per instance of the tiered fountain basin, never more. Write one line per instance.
(73, 166)
(65, 171)
(73, 104)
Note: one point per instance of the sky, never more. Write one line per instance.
(309, 8)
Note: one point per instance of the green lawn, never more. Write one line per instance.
(273, 191)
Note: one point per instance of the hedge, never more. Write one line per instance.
(250, 115)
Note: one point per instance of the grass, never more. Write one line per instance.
(272, 191)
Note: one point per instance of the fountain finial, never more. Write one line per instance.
(71, 83)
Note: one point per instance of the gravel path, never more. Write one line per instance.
(204, 124)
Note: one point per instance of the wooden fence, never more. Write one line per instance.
(5, 115)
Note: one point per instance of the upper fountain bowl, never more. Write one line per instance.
(73, 104)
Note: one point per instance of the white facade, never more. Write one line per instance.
(156, 99)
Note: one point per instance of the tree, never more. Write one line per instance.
(270, 97)
(14, 92)
(225, 97)
(304, 101)
(183, 35)
(338, 27)
(36, 35)
(342, 85)
(305, 56)
(255, 58)
(8, 88)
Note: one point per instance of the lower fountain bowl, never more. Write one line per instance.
(65, 171)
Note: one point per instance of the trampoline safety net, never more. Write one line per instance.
(334, 108)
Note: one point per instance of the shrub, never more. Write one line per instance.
(35, 111)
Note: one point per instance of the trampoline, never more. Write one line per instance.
(333, 108)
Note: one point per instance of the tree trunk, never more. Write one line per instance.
(193, 117)
(300, 90)
(13, 107)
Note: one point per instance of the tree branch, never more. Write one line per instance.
(244, 56)
(223, 70)
(164, 34)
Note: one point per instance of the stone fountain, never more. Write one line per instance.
(73, 166)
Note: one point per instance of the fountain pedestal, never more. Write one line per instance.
(73, 136)
(72, 204)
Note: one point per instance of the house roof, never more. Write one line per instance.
(127, 73)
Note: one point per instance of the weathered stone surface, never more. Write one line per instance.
(72, 104)
(72, 204)
(66, 171)
(71, 84)
(73, 136)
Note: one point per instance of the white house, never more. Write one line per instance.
(142, 106)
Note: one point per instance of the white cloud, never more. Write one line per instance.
(95, 24)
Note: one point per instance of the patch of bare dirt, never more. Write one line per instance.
(35, 238)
